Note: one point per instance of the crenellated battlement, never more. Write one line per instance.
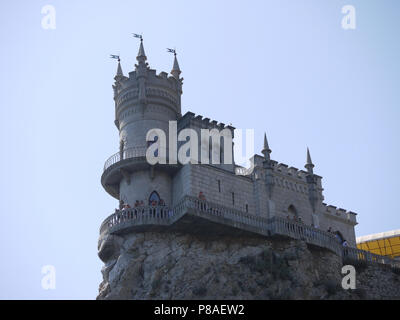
(159, 89)
(289, 178)
(163, 79)
(339, 213)
(190, 119)
(292, 172)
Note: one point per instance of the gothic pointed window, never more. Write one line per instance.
(154, 199)
(339, 236)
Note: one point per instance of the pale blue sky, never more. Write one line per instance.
(286, 67)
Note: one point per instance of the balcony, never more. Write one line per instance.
(130, 153)
(192, 214)
(122, 165)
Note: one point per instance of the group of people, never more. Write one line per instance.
(338, 237)
(294, 218)
(140, 203)
(152, 203)
(202, 197)
(123, 207)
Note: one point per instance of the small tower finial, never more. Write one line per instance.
(176, 71)
(119, 74)
(266, 151)
(141, 57)
(309, 166)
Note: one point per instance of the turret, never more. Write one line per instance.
(309, 165)
(266, 151)
(120, 74)
(141, 57)
(176, 71)
(267, 164)
(312, 182)
(144, 101)
(141, 72)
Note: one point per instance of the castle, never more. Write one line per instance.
(271, 199)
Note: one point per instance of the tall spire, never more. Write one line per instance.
(176, 71)
(309, 166)
(119, 74)
(266, 150)
(141, 70)
(267, 164)
(119, 71)
(141, 57)
(141, 53)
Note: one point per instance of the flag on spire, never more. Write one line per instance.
(119, 69)
(176, 71)
(141, 57)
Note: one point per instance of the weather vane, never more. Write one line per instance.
(113, 56)
(172, 51)
(138, 36)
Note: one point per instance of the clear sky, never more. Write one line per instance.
(285, 67)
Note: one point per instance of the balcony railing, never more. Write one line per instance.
(126, 154)
(129, 153)
(228, 214)
(164, 216)
(311, 235)
(149, 215)
(361, 255)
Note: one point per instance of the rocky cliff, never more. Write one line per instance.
(181, 266)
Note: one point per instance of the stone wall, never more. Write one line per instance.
(141, 184)
(178, 266)
(218, 185)
(205, 179)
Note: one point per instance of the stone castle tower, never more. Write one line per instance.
(143, 101)
(271, 199)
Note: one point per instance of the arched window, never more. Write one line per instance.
(339, 236)
(292, 211)
(154, 199)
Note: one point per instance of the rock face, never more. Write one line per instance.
(181, 266)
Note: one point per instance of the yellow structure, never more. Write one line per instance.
(385, 243)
